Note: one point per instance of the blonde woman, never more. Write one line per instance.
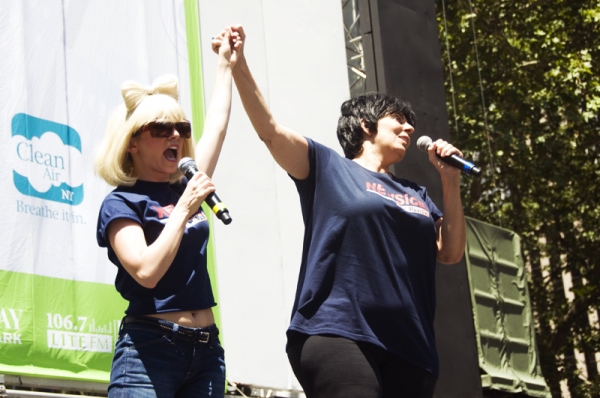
(156, 234)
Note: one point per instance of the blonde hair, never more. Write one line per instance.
(141, 106)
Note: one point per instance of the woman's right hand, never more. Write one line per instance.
(198, 188)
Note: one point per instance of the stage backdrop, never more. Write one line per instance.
(63, 62)
(62, 65)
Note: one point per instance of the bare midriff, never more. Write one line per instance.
(190, 319)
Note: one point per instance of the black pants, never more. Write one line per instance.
(331, 367)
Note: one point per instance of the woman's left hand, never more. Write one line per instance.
(443, 149)
(228, 45)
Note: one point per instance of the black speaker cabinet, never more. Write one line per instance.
(483, 325)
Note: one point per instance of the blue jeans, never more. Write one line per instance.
(156, 358)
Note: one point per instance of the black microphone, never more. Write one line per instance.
(424, 142)
(187, 167)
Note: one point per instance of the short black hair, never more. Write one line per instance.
(371, 107)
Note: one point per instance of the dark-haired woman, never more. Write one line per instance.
(156, 234)
(362, 321)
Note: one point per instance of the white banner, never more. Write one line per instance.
(62, 66)
(63, 62)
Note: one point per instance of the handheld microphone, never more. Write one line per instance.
(187, 167)
(424, 142)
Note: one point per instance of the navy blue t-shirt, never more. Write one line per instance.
(369, 256)
(186, 284)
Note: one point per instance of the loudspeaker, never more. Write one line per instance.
(402, 58)
(483, 325)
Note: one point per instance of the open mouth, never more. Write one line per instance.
(171, 154)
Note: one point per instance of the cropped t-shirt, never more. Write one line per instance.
(186, 284)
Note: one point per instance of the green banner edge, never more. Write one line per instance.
(192, 31)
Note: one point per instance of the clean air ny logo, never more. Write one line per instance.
(47, 160)
(408, 203)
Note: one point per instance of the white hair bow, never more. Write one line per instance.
(133, 93)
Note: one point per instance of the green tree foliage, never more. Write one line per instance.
(523, 100)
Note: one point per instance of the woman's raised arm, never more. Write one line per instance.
(288, 148)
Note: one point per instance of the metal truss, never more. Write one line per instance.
(354, 49)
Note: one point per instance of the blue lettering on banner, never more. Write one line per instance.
(54, 167)
(45, 211)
